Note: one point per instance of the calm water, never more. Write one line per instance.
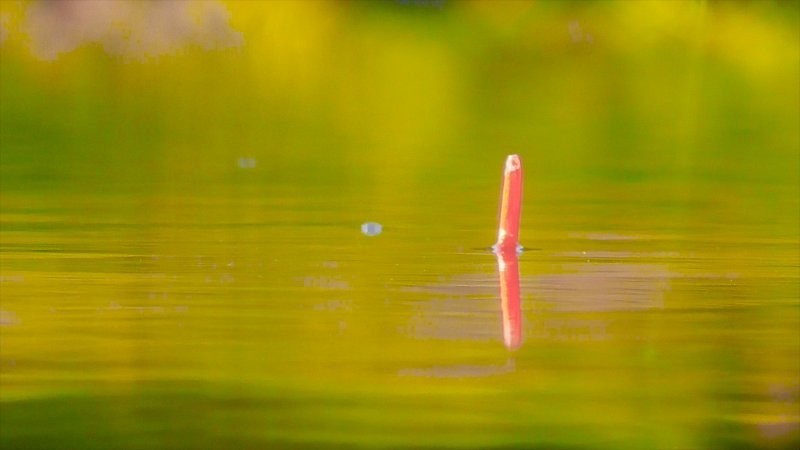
(254, 314)
(183, 187)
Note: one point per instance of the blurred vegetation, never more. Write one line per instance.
(626, 90)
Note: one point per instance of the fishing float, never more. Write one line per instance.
(510, 207)
(506, 250)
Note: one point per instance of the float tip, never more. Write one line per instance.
(513, 163)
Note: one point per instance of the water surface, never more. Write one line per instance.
(262, 316)
(183, 187)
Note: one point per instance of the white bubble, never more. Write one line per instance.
(371, 228)
(247, 163)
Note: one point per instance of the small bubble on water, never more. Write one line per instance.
(246, 163)
(371, 228)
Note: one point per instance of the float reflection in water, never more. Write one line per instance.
(508, 272)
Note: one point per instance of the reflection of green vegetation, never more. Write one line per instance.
(676, 126)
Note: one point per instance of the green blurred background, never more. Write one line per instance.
(182, 185)
(405, 90)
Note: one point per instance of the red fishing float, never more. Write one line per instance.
(510, 206)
